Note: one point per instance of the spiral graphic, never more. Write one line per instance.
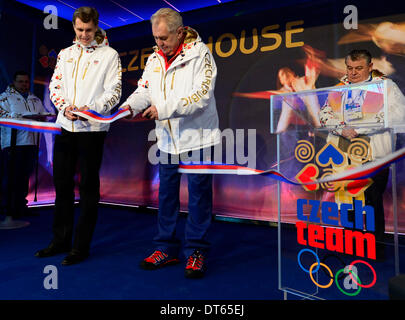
(304, 151)
(329, 186)
(359, 150)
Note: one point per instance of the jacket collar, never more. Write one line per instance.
(169, 62)
(11, 90)
(375, 75)
(100, 40)
(185, 50)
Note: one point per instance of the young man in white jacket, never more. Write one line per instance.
(177, 90)
(19, 147)
(87, 76)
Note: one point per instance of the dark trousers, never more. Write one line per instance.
(85, 150)
(18, 165)
(200, 210)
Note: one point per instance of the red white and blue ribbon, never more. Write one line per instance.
(54, 128)
(95, 116)
(31, 125)
(359, 173)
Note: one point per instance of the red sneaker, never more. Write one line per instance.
(157, 260)
(195, 267)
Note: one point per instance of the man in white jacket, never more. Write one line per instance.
(359, 68)
(19, 147)
(87, 76)
(177, 90)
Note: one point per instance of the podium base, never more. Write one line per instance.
(9, 223)
(397, 287)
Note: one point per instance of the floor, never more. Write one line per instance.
(242, 264)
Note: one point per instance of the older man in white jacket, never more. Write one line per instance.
(87, 76)
(177, 90)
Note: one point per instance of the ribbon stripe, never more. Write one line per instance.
(31, 125)
(95, 116)
(362, 172)
(359, 173)
(54, 128)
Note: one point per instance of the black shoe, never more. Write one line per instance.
(74, 257)
(195, 267)
(52, 250)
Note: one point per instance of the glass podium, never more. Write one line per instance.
(335, 239)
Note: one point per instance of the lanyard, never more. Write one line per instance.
(349, 92)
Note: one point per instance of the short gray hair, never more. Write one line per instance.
(172, 18)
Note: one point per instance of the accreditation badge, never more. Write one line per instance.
(353, 106)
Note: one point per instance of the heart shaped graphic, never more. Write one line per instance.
(44, 61)
(356, 187)
(308, 174)
(330, 155)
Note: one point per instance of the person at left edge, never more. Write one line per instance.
(87, 76)
(19, 151)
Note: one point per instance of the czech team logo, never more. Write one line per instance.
(326, 225)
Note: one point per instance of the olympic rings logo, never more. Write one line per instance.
(350, 269)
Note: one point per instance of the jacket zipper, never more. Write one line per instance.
(164, 85)
(171, 86)
(85, 70)
(33, 106)
(27, 107)
(168, 121)
(77, 71)
(74, 68)
(161, 66)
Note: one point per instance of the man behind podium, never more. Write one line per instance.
(359, 69)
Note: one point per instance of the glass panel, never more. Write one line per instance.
(335, 240)
(355, 105)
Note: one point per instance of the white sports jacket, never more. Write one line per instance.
(86, 76)
(12, 105)
(183, 93)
